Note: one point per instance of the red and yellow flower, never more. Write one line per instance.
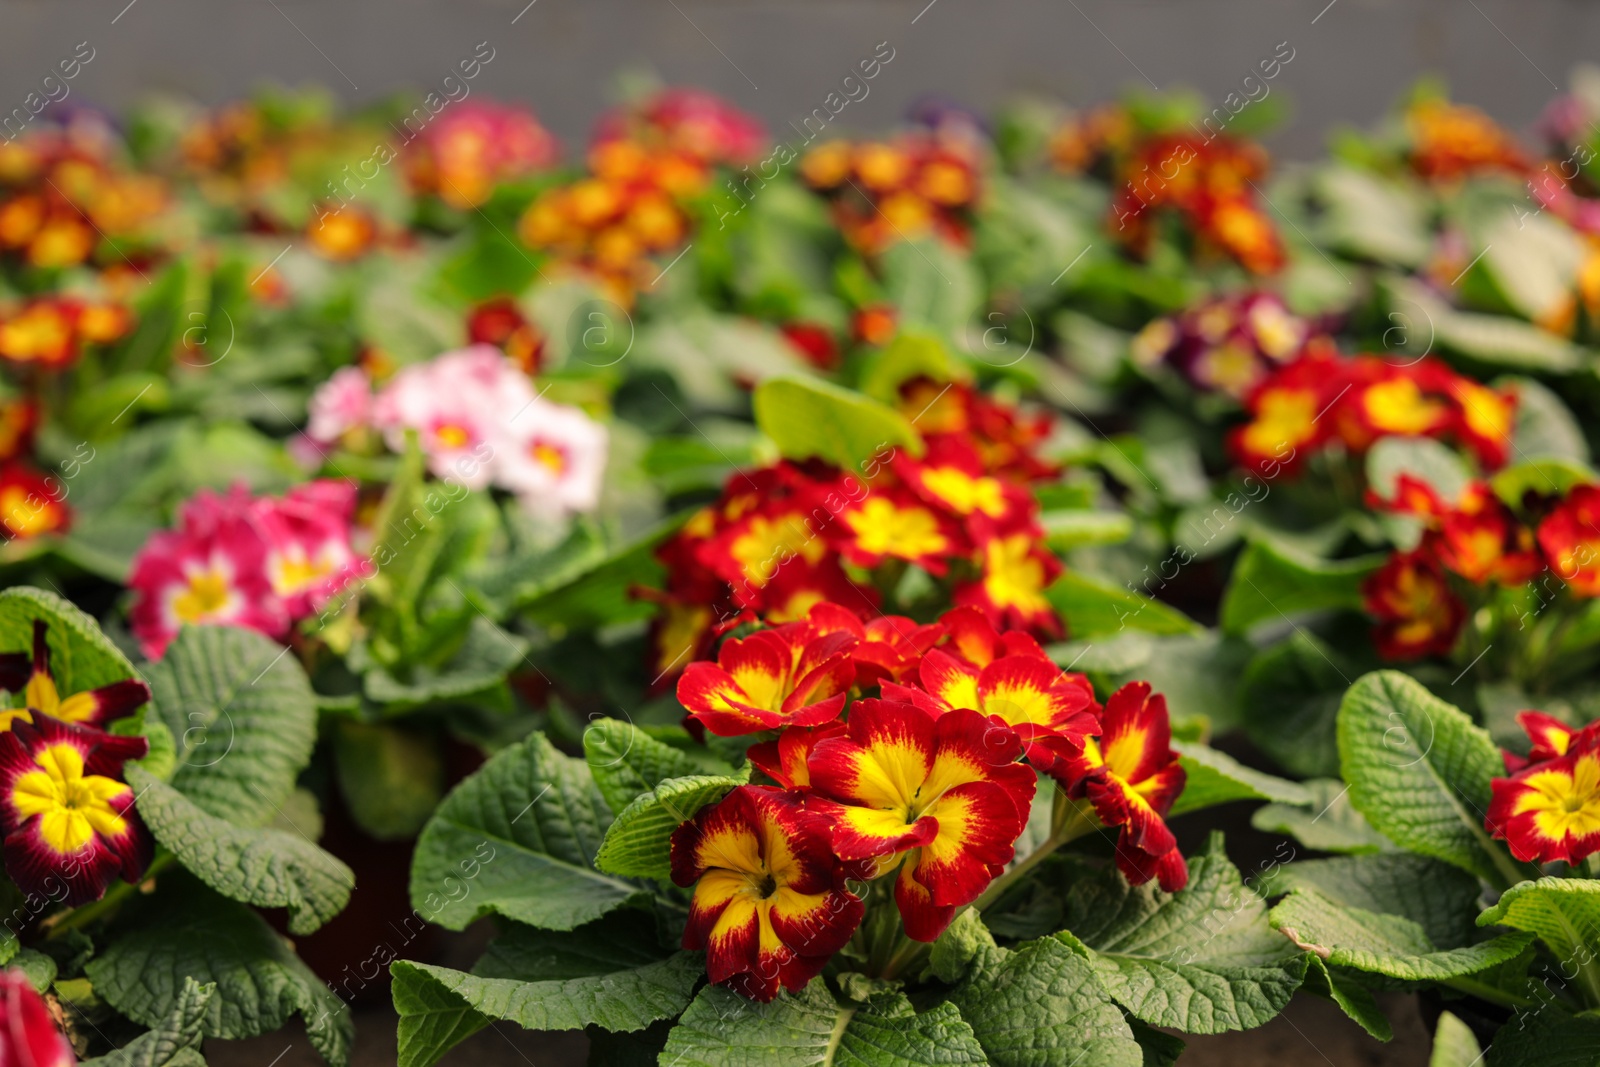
(1450, 141)
(501, 323)
(1550, 810)
(943, 797)
(1131, 776)
(28, 1033)
(30, 504)
(887, 191)
(770, 905)
(1570, 538)
(788, 676)
(30, 676)
(1417, 612)
(68, 816)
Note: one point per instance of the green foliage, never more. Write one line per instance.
(809, 417)
(175, 1041)
(1273, 582)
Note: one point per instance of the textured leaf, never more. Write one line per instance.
(1419, 771)
(808, 417)
(627, 762)
(639, 842)
(1271, 582)
(1329, 824)
(1217, 778)
(177, 1035)
(1546, 1038)
(521, 834)
(1044, 1005)
(243, 716)
(607, 974)
(1203, 960)
(1353, 998)
(1442, 899)
(265, 867)
(1092, 606)
(1289, 703)
(487, 654)
(187, 931)
(1382, 944)
(1454, 1044)
(1564, 913)
(81, 657)
(811, 1029)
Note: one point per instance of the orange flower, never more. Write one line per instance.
(1418, 614)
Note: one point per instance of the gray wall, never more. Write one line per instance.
(780, 58)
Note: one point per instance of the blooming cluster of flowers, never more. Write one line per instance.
(1480, 541)
(475, 145)
(67, 817)
(59, 193)
(257, 562)
(1090, 139)
(782, 538)
(1322, 398)
(501, 323)
(925, 782)
(884, 191)
(1548, 809)
(1452, 141)
(239, 152)
(1228, 344)
(643, 164)
(50, 332)
(478, 423)
(1211, 185)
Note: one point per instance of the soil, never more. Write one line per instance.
(1312, 1032)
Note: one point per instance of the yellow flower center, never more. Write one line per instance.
(1011, 576)
(291, 573)
(1564, 803)
(550, 456)
(1284, 417)
(72, 806)
(207, 594)
(452, 435)
(1400, 407)
(24, 513)
(964, 493)
(766, 544)
(883, 529)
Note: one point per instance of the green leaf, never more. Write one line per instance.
(808, 417)
(187, 931)
(40, 969)
(243, 716)
(933, 285)
(1546, 428)
(1546, 1039)
(487, 654)
(1384, 944)
(1431, 462)
(811, 1029)
(1044, 1005)
(267, 868)
(627, 762)
(1543, 476)
(1065, 530)
(1203, 960)
(1454, 1044)
(1328, 824)
(910, 355)
(1091, 607)
(1564, 913)
(1419, 770)
(1353, 998)
(1272, 582)
(965, 945)
(1289, 703)
(1217, 778)
(638, 843)
(81, 657)
(521, 833)
(391, 778)
(175, 1037)
(1441, 899)
(607, 974)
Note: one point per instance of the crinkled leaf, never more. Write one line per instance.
(627, 762)
(243, 716)
(1546, 1038)
(81, 657)
(1353, 998)
(521, 833)
(1217, 778)
(1419, 770)
(1328, 824)
(1442, 899)
(1203, 960)
(811, 1029)
(1564, 913)
(638, 844)
(187, 931)
(173, 1043)
(1380, 943)
(1289, 703)
(1044, 1005)
(607, 974)
(265, 867)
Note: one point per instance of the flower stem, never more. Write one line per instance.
(76, 918)
(1071, 820)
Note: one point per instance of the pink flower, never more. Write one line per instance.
(307, 533)
(553, 457)
(208, 570)
(472, 147)
(340, 404)
(28, 1034)
(457, 404)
